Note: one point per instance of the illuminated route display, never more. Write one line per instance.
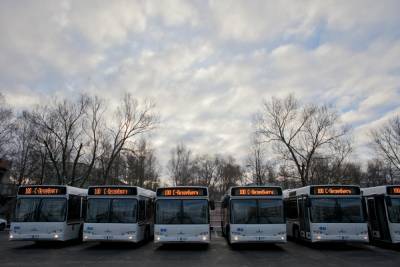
(182, 192)
(42, 190)
(335, 190)
(112, 191)
(393, 190)
(256, 191)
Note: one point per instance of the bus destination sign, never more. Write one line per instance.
(42, 190)
(335, 190)
(181, 192)
(393, 190)
(256, 191)
(112, 191)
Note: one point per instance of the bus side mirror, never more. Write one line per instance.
(388, 201)
(212, 205)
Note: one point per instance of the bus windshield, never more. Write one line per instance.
(394, 210)
(40, 210)
(106, 210)
(186, 211)
(253, 211)
(336, 210)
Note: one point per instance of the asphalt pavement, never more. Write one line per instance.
(218, 253)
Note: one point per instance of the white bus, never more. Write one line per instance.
(326, 213)
(119, 213)
(47, 212)
(253, 214)
(182, 215)
(383, 209)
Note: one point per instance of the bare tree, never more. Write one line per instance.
(132, 119)
(261, 170)
(59, 129)
(299, 132)
(204, 168)
(229, 174)
(179, 165)
(386, 141)
(7, 127)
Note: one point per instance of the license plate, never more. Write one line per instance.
(108, 237)
(261, 238)
(35, 236)
(182, 239)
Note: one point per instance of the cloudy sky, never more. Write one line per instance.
(207, 65)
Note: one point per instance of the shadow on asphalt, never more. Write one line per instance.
(182, 247)
(395, 247)
(116, 246)
(257, 247)
(48, 245)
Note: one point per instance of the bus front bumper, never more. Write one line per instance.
(109, 238)
(205, 239)
(258, 239)
(340, 238)
(36, 237)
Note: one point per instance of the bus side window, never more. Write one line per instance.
(84, 207)
(142, 210)
(149, 209)
(291, 208)
(74, 208)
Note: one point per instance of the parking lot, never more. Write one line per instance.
(218, 253)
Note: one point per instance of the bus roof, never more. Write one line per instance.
(338, 190)
(139, 191)
(26, 190)
(381, 190)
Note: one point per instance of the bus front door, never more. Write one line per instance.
(304, 219)
(377, 218)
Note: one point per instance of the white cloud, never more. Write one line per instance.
(206, 65)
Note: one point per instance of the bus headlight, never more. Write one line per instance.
(11, 236)
(157, 237)
(55, 236)
(235, 237)
(85, 237)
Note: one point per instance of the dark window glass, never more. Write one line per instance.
(244, 211)
(26, 209)
(195, 211)
(394, 210)
(142, 210)
(40, 210)
(52, 210)
(98, 210)
(291, 208)
(270, 211)
(336, 210)
(74, 208)
(168, 211)
(123, 210)
(149, 209)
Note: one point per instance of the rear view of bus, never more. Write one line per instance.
(326, 214)
(182, 215)
(48, 213)
(383, 207)
(253, 215)
(119, 213)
